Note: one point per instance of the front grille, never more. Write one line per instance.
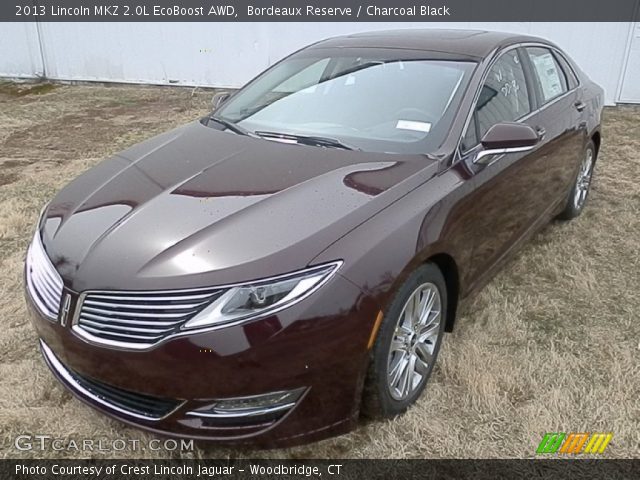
(138, 319)
(43, 282)
(136, 403)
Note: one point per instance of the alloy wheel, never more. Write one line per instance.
(583, 182)
(411, 356)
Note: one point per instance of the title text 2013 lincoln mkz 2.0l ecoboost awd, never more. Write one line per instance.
(266, 273)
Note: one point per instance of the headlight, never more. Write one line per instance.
(263, 297)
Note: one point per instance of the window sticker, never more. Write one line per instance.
(548, 74)
(414, 125)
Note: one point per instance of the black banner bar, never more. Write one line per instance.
(315, 469)
(319, 10)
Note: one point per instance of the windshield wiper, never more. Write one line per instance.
(307, 140)
(234, 127)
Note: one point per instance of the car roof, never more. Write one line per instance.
(476, 44)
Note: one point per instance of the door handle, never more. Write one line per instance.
(580, 105)
(541, 132)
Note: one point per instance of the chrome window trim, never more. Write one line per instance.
(575, 75)
(71, 382)
(141, 347)
(458, 155)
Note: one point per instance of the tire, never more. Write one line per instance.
(383, 396)
(581, 185)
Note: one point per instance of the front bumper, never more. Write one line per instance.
(317, 348)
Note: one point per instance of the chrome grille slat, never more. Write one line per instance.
(129, 336)
(114, 326)
(43, 286)
(138, 319)
(127, 321)
(144, 306)
(49, 276)
(41, 258)
(42, 289)
(150, 298)
(43, 277)
(36, 291)
(43, 282)
(47, 300)
(134, 314)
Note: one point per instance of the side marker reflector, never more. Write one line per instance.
(374, 330)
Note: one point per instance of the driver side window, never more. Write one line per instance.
(504, 98)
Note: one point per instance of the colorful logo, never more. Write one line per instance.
(574, 443)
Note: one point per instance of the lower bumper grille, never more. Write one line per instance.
(130, 403)
(145, 405)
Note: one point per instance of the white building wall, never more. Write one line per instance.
(229, 54)
(20, 50)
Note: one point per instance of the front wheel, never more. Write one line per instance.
(407, 344)
(581, 186)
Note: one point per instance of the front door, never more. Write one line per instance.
(508, 194)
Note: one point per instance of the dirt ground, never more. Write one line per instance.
(551, 344)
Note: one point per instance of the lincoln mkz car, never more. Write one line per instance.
(271, 272)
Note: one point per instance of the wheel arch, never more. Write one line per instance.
(449, 269)
(596, 139)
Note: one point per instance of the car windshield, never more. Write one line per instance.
(369, 102)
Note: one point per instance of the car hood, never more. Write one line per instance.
(196, 206)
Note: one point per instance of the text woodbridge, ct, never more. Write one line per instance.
(248, 11)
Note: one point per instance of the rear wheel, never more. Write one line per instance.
(407, 344)
(581, 186)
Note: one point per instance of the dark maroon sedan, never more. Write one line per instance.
(268, 272)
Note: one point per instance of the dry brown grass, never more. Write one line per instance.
(551, 344)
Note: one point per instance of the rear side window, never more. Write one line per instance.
(551, 79)
(504, 96)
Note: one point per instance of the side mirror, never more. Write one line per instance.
(507, 138)
(218, 99)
